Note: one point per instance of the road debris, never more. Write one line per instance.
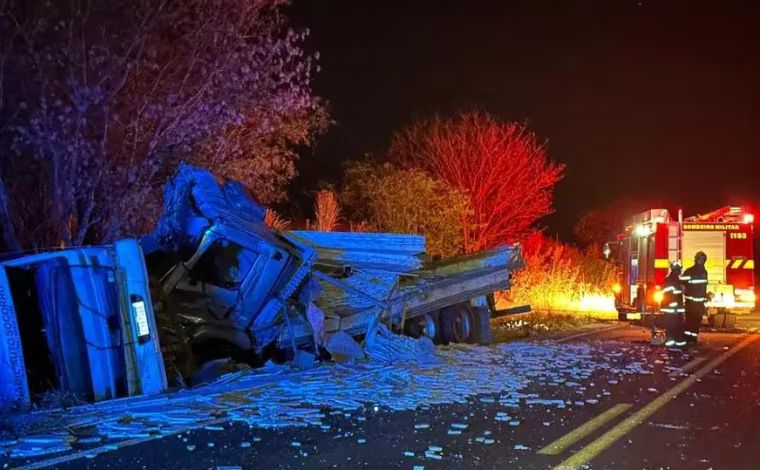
(279, 396)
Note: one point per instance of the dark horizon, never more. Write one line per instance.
(638, 99)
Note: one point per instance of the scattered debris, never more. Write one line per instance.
(283, 396)
(342, 347)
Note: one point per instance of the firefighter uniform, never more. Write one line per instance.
(695, 290)
(673, 307)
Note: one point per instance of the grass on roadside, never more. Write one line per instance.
(537, 324)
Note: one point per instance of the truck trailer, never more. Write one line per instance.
(213, 281)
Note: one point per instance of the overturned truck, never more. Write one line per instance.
(213, 281)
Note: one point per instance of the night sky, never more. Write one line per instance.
(656, 100)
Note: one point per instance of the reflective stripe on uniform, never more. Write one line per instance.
(678, 292)
(684, 278)
(680, 343)
(673, 304)
(690, 333)
(668, 310)
(697, 281)
(670, 342)
(696, 299)
(669, 289)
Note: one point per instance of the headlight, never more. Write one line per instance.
(746, 295)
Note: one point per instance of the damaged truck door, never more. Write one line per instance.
(78, 321)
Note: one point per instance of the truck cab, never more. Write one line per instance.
(221, 278)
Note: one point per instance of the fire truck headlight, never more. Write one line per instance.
(658, 296)
(643, 231)
(749, 218)
(746, 295)
(617, 288)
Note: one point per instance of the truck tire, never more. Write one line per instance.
(481, 326)
(455, 324)
(422, 326)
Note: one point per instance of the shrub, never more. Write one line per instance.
(326, 211)
(561, 278)
(407, 201)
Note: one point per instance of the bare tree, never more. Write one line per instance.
(101, 98)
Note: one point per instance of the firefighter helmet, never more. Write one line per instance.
(676, 266)
(700, 254)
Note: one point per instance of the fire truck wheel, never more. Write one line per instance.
(455, 324)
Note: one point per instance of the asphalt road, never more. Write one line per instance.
(705, 415)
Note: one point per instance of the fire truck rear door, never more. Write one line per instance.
(713, 243)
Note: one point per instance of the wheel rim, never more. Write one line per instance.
(462, 327)
(427, 326)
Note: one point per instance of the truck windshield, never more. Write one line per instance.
(224, 264)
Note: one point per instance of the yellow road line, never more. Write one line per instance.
(558, 446)
(693, 363)
(585, 455)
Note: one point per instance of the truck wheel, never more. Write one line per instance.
(456, 324)
(422, 326)
(481, 326)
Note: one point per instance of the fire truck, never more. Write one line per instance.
(653, 239)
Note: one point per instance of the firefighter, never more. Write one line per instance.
(674, 309)
(695, 290)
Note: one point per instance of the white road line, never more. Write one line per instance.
(115, 446)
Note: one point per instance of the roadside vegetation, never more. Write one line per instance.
(94, 119)
(538, 324)
(562, 279)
